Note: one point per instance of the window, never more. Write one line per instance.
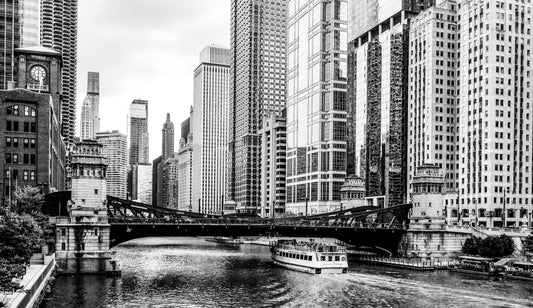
(33, 127)
(32, 175)
(26, 143)
(63, 231)
(15, 142)
(26, 159)
(62, 246)
(25, 175)
(32, 159)
(32, 143)
(8, 141)
(15, 110)
(15, 158)
(9, 127)
(8, 158)
(26, 127)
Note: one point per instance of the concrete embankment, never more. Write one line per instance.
(34, 284)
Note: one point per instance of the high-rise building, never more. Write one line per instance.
(316, 105)
(138, 131)
(167, 139)
(142, 183)
(90, 110)
(257, 88)
(116, 154)
(273, 166)
(209, 128)
(377, 96)
(185, 128)
(494, 147)
(30, 20)
(184, 177)
(432, 103)
(169, 174)
(59, 31)
(157, 180)
(9, 40)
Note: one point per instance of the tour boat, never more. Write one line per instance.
(310, 257)
(224, 240)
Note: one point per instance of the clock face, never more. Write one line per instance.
(38, 73)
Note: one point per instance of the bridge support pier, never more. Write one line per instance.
(82, 243)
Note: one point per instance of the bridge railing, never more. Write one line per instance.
(255, 222)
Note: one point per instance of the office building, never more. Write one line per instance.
(209, 127)
(31, 148)
(115, 151)
(59, 31)
(185, 175)
(432, 102)
(167, 139)
(316, 105)
(138, 132)
(273, 166)
(9, 40)
(168, 190)
(257, 88)
(157, 181)
(30, 20)
(90, 110)
(142, 183)
(377, 96)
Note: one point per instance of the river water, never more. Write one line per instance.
(189, 272)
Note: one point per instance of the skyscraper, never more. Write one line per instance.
(59, 31)
(9, 40)
(115, 151)
(138, 131)
(257, 88)
(316, 105)
(209, 127)
(432, 109)
(167, 139)
(30, 20)
(377, 96)
(90, 110)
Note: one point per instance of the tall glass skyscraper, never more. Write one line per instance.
(115, 151)
(316, 104)
(9, 40)
(138, 132)
(377, 96)
(257, 88)
(90, 110)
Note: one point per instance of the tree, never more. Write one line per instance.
(471, 245)
(20, 236)
(496, 246)
(27, 200)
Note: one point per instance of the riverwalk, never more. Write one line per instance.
(33, 284)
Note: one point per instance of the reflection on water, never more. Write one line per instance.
(189, 272)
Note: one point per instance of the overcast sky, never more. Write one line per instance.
(146, 49)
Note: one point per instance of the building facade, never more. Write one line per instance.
(169, 174)
(116, 154)
(31, 147)
(59, 31)
(273, 166)
(138, 132)
(257, 88)
(90, 110)
(185, 153)
(316, 105)
(432, 102)
(209, 127)
(377, 97)
(142, 183)
(10, 25)
(167, 133)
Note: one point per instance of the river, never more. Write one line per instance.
(189, 272)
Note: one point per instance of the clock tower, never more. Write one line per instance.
(39, 70)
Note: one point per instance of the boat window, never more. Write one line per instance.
(330, 258)
(322, 258)
(337, 258)
(310, 258)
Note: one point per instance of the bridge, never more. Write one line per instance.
(363, 226)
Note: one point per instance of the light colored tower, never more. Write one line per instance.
(495, 112)
(59, 31)
(432, 109)
(30, 22)
(115, 152)
(316, 105)
(90, 112)
(209, 128)
(257, 88)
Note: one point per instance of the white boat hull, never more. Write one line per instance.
(310, 269)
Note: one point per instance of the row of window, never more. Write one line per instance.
(27, 175)
(28, 127)
(21, 110)
(27, 159)
(14, 142)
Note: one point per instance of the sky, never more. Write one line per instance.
(146, 49)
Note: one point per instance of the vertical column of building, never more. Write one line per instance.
(9, 40)
(115, 151)
(495, 112)
(316, 105)
(433, 64)
(209, 127)
(184, 177)
(138, 152)
(257, 86)
(59, 30)
(90, 110)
